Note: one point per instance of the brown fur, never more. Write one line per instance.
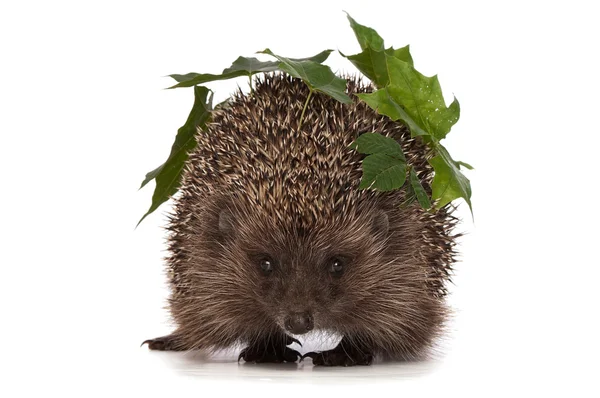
(257, 184)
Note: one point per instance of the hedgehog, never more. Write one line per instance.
(270, 237)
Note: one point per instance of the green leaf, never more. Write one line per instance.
(151, 175)
(402, 53)
(369, 143)
(421, 97)
(372, 61)
(385, 167)
(253, 65)
(242, 66)
(373, 64)
(383, 172)
(250, 66)
(415, 99)
(418, 190)
(465, 165)
(168, 175)
(193, 79)
(383, 104)
(367, 37)
(409, 197)
(316, 76)
(448, 182)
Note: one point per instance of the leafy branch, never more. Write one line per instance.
(405, 94)
(402, 94)
(317, 77)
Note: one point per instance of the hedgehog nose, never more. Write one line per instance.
(299, 322)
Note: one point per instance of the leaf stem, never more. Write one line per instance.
(251, 89)
(304, 109)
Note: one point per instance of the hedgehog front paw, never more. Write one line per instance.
(164, 343)
(267, 351)
(251, 354)
(343, 355)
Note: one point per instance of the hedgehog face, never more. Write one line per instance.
(304, 279)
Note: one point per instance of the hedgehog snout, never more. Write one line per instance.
(299, 322)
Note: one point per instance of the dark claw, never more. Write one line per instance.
(293, 340)
(158, 344)
(164, 343)
(242, 354)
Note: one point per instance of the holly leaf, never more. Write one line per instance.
(369, 143)
(168, 175)
(448, 181)
(242, 66)
(316, 76)
(383, 172)
(418, 190)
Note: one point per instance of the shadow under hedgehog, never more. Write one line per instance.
(271, 237)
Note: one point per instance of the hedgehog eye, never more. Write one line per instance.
(336, 266)
(266, 265)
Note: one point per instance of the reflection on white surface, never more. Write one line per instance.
(224, 365)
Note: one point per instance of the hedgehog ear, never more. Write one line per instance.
(226, 221)
(381, 223)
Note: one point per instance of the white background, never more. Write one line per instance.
(83, 117)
